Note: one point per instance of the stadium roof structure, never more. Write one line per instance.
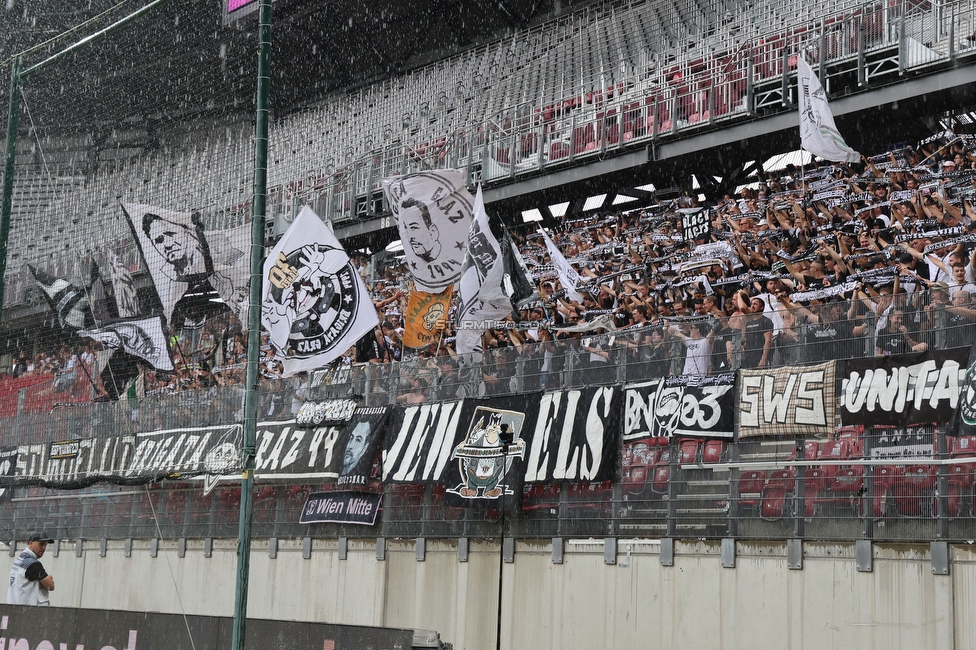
(319, 48)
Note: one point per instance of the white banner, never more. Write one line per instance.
(818, 133)
(568, 276)
(314, 303)
(124, 288)
(433, 211)
(480, 288)
(231, 279)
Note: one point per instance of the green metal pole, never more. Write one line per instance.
(254, 320)
(13, 114)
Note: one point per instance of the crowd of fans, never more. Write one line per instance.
(820, 262)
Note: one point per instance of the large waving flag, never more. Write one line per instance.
(230, 251)
(174, 248)
(433, 213)
(482, 274)
(68, 302)
(315, 305)
(818, 133)
(126, 299)
(568, 276)
(144, 338)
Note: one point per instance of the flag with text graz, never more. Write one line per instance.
(315, 306)
(424, 312)
(433, 213)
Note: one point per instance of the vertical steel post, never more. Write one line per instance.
(13, 114)
(254, 320)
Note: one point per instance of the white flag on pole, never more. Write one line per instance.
(315, 306)
(480, 288)
(818, 133)
(568, 276)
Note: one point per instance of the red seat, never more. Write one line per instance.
(689, 452)
(712, 451)
(636, 480)
(965, 447)
(751, 483)
(773, 501)
(662, 476)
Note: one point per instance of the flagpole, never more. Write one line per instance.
(258, 218)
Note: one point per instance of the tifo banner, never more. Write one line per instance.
(341, 508)
(901, 389)
(574, 437)
(132, 458)
(680, 406)
(340, 452)
(424, 311)
(442, 442)
(315, 306)
(433, 212)
(787, 401)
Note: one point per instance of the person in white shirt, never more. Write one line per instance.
(30, 584)
(698, 349)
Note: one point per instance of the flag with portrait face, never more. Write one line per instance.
(174, 248)
(433, 212)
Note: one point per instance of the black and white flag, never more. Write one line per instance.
(315, 305)
(126, 299)
(230, 251)
(68, 302)
(174, 249)
(144, 338)
(419, 442)
(433, 211)
(480, 288)
(680, 406)
(568, 276)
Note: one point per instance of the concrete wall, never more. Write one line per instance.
(582, 603)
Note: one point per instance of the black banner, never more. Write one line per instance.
(129, 459)
(8, 466)
(695, 225)
(418, 442)
(341, 508)
(901, 389)
(482, 467)
(964, 419)
(680, 406)
(575, 436)
(342, 452)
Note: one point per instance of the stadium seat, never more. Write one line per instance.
(712, 451)
(541, 496)
(773, 501)
(688, 450)
(751, 484)
(662, 476)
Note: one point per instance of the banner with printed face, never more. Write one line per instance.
(342, 452)
(574, 437)
(903, 389)
(680, 406)
(433, 212)
(424, 311)
(787, 401)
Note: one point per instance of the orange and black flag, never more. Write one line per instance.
(424, 311)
